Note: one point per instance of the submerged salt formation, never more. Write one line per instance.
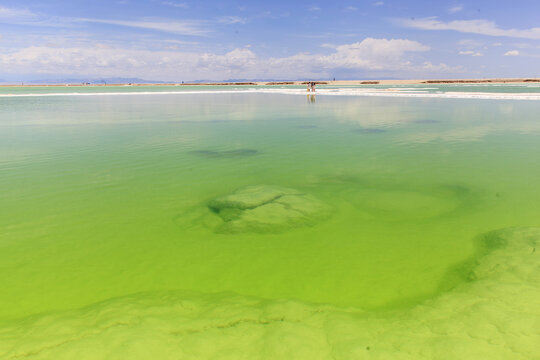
(266, 209)
(492, 315)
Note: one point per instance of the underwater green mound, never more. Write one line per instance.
(494, 316)
(265, 208)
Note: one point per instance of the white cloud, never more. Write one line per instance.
(455, 9)
(26, 17)
(470, 52)
(176, 4)
(483, 27)
(378, 3)
(11, 13)
(512, 53)
(187, 27)
(232, 20)
(103, 46)
(497, 44)
(430, 68)
(350, 8)
(314, 8)
(390, 55)
(180, 42)
(374, 54)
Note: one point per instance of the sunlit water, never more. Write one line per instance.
(110, 246)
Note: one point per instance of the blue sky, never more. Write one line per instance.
(183, 40)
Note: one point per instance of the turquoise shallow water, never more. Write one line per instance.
(246, 225)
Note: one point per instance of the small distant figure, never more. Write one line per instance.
(311, 86)
(334, 79)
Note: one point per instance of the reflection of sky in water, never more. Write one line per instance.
(108, 200)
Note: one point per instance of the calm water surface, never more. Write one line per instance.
(107, 198)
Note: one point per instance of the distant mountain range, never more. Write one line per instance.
(113, 80)
(119, 80)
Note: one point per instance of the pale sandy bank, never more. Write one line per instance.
(330, 82)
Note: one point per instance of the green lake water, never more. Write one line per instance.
(105, 220)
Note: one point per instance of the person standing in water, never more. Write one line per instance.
(310, 86)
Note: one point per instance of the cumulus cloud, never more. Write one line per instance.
(391, 55)
(512, 53)
(373, 54)
(429, 68)
(483, 27)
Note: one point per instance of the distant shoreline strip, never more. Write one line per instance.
(334, 92)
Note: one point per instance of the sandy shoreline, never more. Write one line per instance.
(303, 82)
